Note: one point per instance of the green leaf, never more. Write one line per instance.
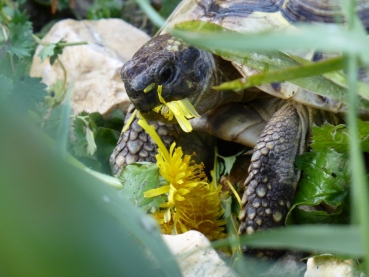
(337, 138)
(344, 240)
(266, 55)
(79, 144)
(20, 17)
(229, 161)
(6, 85)
(139, 178)
(20, 39)
(62, 138)
(167, 7)
(27, 92)
(104, 9)
(46, 52)
(56, 93)
(106, 140)
(285, 74)
(60, 221)
(94, 139)
(323, 188)
(51, 119)
(91, 145)
(58, 50)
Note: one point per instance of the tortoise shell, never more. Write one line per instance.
(253, 16)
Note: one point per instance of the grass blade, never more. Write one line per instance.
(323, 238)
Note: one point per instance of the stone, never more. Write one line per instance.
(196, 257)
(324, 266)
(94, 68)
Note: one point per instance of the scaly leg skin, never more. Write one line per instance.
(135, 145)
(270, 186)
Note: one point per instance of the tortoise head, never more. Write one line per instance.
(183, 71)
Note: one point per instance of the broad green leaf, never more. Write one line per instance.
(323, 188)
(136, 180)
(337, 137)
(106, 140)
(92, 132)
(343, 240)
(59, 221)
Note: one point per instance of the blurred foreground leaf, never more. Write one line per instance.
(344, 240)
(59, 221)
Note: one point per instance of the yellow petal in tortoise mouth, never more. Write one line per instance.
(180, 109)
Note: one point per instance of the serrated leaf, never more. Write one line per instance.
(337, 138)
(27, 93)
(322, 191)
(46, 52)
(58, 50)
(138, 178)
(229, 161)
(20, 39)
(20, 17)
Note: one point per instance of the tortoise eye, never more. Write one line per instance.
(167, 74)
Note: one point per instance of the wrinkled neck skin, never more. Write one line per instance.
(183, 71)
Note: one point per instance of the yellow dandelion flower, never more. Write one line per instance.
(181, 110)
(193, 203)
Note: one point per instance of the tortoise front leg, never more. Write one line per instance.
(271, 184)
(135, 145)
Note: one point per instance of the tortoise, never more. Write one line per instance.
(275, 120)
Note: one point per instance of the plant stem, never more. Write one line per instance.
(61, 44)
(64, 73)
